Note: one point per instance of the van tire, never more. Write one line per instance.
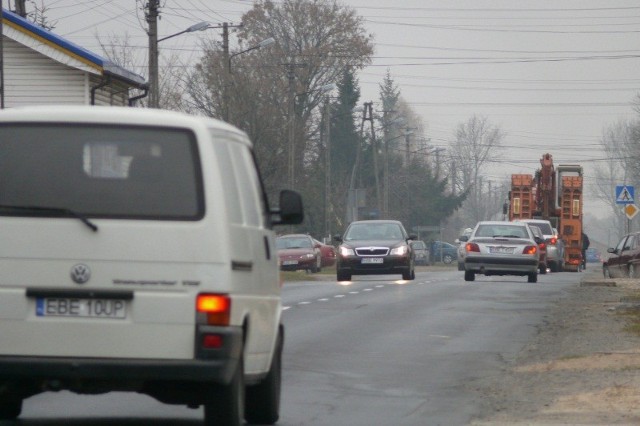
(469, 276)
(262, 403)
(224, 404)
(532, 277)
(10, 408)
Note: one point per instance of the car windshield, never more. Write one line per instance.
(504, 231)
(293, 242)
(374, 231)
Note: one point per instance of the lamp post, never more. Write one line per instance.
(227, 110)
(152, 19)
(327, 160)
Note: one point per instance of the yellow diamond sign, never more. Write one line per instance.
(631, 210)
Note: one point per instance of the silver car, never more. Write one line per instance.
(555, 245)
(502, 248)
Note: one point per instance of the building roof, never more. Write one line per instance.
(62, 50)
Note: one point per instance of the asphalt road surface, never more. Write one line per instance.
(375, 351)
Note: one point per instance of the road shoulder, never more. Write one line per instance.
(582, 366)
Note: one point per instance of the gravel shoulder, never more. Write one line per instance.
(581, 368)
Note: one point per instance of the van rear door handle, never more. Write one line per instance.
(241, 266)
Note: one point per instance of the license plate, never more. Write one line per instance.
(503, 250)
(81, 308)
(289, 262)
(372, 260)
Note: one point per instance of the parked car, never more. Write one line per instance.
(299, 252)
(555, 245)
(421, 252)
(443, 252)
(461, 249)
(542, 245)
(327, 253)
(375, 247)
(624, 259)
(502, 248)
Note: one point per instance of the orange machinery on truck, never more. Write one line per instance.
(553, 194)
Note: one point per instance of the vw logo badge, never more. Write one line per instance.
(80, 273)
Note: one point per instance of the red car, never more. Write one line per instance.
(328, 253)
(298, 252)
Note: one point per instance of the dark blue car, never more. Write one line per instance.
(443, 252)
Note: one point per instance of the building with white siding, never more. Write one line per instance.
(40, 67)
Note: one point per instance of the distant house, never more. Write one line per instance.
(41, 67)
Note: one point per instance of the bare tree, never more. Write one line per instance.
(476, 144)
(271, 92)
(619, 143)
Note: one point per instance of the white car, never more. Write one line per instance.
(501, 248)
(555, 244)
(138, 255)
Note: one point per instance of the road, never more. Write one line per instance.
(374, 352)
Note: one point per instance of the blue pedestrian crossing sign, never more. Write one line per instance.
(624, 194)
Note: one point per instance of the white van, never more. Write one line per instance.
(137, 255)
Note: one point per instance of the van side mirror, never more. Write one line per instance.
(291, 211)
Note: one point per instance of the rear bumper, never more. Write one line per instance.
(208, 365)
(489, 264)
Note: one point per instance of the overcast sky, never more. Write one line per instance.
(551, 73)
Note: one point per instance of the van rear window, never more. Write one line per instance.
(101, 171)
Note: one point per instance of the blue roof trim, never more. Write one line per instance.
(107, 66)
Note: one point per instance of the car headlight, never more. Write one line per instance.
(399, 251)
(309, 256)
(346, 251)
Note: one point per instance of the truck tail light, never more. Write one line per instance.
(553, 241)
(542, 246)
(213, 309)
(469, 247)
(530, 250)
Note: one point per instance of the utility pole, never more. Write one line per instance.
(291, 76)
(352, 205)
(327, 170)
(374, 145)
(152, 20)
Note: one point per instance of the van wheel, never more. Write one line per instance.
(263, 400)
(469, 276)
(532, 277)
(543, 269)
(224, 404)
(10, 409)
(605, 271)
(632, 271)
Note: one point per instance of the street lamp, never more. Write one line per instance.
(264, 43)
(227, 111)
(154, 93)
(200, 26)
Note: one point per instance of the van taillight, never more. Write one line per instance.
(553, 241)
(213, 309)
